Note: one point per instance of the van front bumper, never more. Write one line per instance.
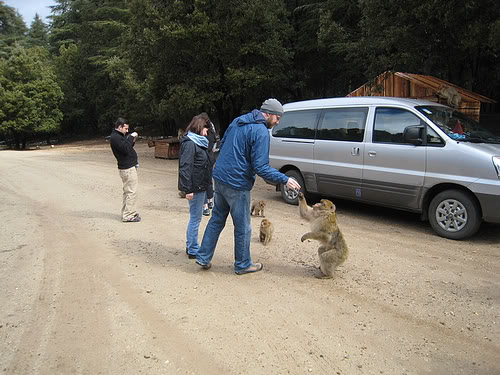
(488, 194)
(490, 204)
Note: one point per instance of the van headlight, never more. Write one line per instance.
(496, 163)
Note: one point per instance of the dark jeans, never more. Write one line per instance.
(236, 202)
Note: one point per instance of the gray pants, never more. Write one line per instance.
(130, 181)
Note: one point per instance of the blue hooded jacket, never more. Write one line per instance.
(244, 152)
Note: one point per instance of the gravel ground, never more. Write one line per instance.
(84, 293)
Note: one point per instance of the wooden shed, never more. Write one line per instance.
(418, 86)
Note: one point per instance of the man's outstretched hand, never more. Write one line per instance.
(292, 184)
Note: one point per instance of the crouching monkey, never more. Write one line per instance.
(333, 250)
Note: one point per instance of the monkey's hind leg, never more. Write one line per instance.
(267, 239)
(328, 261)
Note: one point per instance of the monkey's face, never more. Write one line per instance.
(264, 223)
(262, 204)
(326, 205)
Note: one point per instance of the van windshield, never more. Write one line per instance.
(458, 126)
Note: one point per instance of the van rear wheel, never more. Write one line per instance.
(291, 196)
(454, 214)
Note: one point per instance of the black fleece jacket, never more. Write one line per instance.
(194, 167)
(123, 149)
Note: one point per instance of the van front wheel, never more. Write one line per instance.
(454, 214)
(290, 196)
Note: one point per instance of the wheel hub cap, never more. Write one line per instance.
(451, 215)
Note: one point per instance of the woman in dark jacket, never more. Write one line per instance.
(194, 177)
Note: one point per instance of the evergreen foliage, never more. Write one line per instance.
(29, 95)
(38, 34)
(12, 29)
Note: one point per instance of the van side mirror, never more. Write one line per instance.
(413, 134)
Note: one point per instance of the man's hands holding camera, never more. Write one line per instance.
(134, 134)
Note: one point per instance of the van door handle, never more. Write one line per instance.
(355, 151)
(372, 153)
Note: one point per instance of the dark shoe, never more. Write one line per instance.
(190, 256)
(204, 266)
(134, 219)
(255, 268)
(206, 212)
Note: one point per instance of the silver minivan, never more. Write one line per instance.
(408, 154)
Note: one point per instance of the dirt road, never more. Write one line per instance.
(83, 293)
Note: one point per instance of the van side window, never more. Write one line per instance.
(343, 124)
(297, 124)
(390, 124)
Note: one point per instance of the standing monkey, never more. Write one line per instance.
(333, 250)
(266, 231)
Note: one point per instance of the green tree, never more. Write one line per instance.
(29, 95)
(86, 34)
(221, 56)
(71, 69)
(323, 31)
(450, 40)
(12, 29)
(38, 33)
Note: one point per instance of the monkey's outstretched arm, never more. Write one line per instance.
(318, 236)
(305, 211)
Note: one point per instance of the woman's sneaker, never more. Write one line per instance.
(206, 212)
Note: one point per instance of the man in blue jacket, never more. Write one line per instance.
(244, 152)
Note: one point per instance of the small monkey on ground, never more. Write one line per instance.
(333, 250)
(266, 231)
(258, 208)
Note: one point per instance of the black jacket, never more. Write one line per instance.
(212, 141)
(123, 149)
(194, 167)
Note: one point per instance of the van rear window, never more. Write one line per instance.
(297, 124)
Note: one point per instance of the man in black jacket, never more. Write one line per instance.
(122, 145)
